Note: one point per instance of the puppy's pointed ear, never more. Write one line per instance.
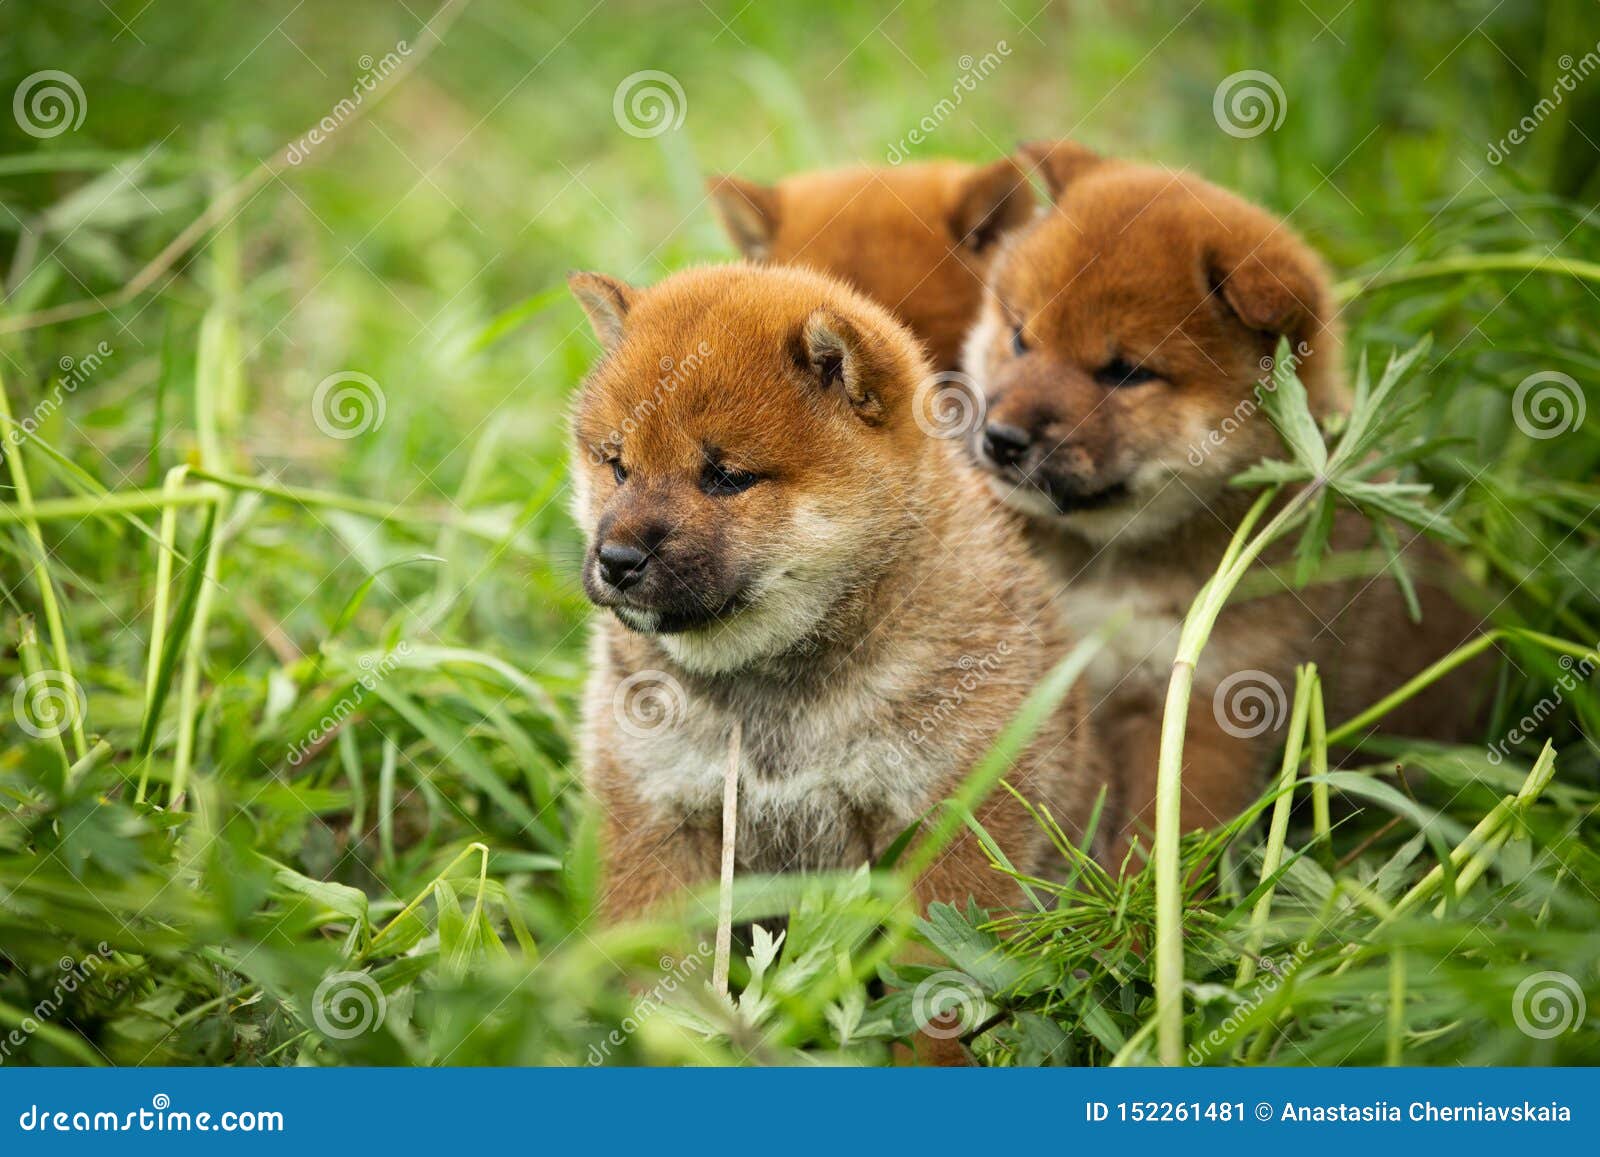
(1277, 286)
(841, 357)
(1057, 163)
(606, 300)
(749, 213)
(990, 201)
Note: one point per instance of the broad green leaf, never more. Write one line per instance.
(1272, 472)
(340, 898)
(1286, 404)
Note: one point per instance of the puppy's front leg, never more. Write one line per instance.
(1220, 774)
(963, 872)
(645, 864)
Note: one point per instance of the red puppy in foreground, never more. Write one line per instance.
(776, 543)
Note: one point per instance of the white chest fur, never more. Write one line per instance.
(812, 779)
(1139, 654)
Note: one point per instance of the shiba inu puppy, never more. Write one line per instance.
(917, 238)
(1120, 349)
(776, 543)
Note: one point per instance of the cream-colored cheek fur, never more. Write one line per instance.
(1159, 498)
(788, 602)
(1166, 490)
(975, 350)
(582, 495)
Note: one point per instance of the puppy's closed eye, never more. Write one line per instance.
(719, 480)
(1122, 372)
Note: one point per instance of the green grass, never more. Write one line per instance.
(331, 681)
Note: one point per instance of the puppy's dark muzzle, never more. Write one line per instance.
(1063, 472)
(1006, 445)
(661, 590)
(620, 566)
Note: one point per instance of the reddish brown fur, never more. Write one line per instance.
(1128, 496)
(915, 238)
(879, 568)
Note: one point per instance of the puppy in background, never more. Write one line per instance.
(1121, 331)
(778, 545)
(917, 239)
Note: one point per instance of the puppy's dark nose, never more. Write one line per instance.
(1005, 444)
(621, 566)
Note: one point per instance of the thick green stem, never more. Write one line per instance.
(1321, 821)
(1306, 684)
(77, 509)
(1468, 264)
(41, 574)
(1242, 551)
(167, 545)
(1460, 656)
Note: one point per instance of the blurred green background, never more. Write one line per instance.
(423, 243)
(473, 184)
